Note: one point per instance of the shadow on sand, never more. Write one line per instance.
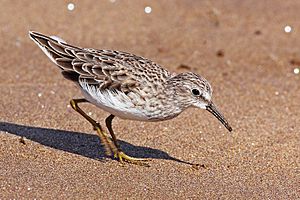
(80, 143)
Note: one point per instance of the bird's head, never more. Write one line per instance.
(191, 89)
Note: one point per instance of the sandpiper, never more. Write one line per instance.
(126, 86)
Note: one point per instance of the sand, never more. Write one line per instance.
(48, 151)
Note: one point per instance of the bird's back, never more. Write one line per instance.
(112, 80)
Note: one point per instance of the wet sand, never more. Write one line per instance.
(48, 151)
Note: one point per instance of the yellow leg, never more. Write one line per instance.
(118, 153)
(109, 146)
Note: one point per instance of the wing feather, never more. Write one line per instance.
(106, 69)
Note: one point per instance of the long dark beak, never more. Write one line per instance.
(213, 110)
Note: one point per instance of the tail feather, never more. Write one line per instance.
(55, 50)
(59, 52)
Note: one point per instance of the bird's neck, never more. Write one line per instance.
(175, 96)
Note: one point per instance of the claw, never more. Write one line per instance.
(122, 157)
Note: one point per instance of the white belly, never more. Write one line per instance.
(114, 102)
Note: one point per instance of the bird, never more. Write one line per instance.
(126, 86)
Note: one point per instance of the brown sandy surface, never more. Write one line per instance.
(48, 151)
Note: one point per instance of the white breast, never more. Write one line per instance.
(114, 102)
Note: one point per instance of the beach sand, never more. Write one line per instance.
(48, 151)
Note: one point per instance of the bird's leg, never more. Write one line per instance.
(118, 153)
(108, 145)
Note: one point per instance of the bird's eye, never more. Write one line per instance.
(195, 92)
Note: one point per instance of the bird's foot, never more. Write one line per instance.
(122, 157)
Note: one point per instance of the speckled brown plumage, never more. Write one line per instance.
(126, 85)
(107, 68)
